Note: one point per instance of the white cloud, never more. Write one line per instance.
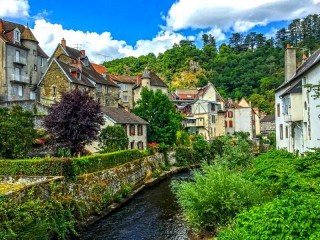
(14, 8)
(216, 32)
(235, 15)
(96, 45)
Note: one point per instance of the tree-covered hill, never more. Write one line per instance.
(250, 66)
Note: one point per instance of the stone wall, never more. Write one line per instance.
(27, 105)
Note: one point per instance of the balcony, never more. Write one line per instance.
(20, 61)
(16, 78)
(193, 122)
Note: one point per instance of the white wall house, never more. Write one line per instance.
(297, 108)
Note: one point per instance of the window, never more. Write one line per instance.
(278, 110)
(213, 118)
(287, 132)
(99, 100)
(132, 144)
(124, 98)
(17, 73)
(230, 114)
(226, 114)
(78, 75)
(32, 95)
(140, 145)
(124, 87)
(34, 52)
(225, 123)
(230, 124)
(107, 102)
(18, 90)
(132, 130)
(213, 107)
(35, 67)
(107, 90)
(99, 88)
(54, 91)
(17, 56)
(281, 131)
(41, 61)
(16, 35)
(140, 130)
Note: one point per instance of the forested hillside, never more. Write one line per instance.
(250, 65)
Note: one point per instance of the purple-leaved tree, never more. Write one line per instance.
(74, 121)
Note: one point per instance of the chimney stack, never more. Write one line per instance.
(83, 52)
(1, 26)
(304, 58)
(290, 62)
(63, 42)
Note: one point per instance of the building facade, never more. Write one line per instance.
(22, 61)
(297, 110)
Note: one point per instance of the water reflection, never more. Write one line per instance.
(153, 214)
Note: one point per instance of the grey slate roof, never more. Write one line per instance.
(268, 118)
(295, 88)
(122, 116)
(84, 79)
(309, 63)
(155, 80)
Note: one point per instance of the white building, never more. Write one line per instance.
(296, 106)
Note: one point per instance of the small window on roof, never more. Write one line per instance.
(16, 35)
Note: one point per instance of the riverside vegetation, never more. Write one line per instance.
(237, 196)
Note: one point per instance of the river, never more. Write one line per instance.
(152, 214)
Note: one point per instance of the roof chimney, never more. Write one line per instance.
(63, 42)
(304, 58)
(1, 26)
(290, 62)
(83, 52)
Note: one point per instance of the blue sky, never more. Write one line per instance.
(137, 27)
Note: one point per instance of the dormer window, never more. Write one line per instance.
(78, 75)
(16, 35)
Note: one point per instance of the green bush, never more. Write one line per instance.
(293, 216)
(215, 196)
(185, 156)
(68, 167)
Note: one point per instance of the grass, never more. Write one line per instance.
(6, 187)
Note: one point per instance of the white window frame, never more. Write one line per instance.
(124, 98)
(17, 56)
(16, 35)
(20, 90)
(124, 87)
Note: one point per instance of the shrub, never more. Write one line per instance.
(16, 132)
(185, 156)
(68, 167)
(214, 197)
(293, 216)
(113, 138)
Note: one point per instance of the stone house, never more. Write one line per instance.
(131, 86)
(70, 68)
(134, 126)
(267, 124)
(22, 61)
(151, 81)
(241, 117)
(297, 104)
(203, 110)
(126, 84)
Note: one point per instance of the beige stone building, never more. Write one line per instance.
(69, 69)
(22, 62)
(126, 84)
(134, 126)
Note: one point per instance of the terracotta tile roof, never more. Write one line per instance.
(99, 68)
(122, 116)
(187, 96)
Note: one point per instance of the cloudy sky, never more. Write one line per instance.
(109, 29)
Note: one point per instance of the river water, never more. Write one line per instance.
(152, 214)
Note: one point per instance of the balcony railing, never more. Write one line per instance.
(20, 60)
(19, 78)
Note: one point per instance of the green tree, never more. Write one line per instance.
(113, 138)
(75, 121)
(159, 111)
(17, 132)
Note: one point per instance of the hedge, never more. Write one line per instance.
(68, 167)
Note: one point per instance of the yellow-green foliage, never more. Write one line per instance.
(68, 167)
(6, 187)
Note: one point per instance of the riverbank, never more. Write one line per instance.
(148, 183)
